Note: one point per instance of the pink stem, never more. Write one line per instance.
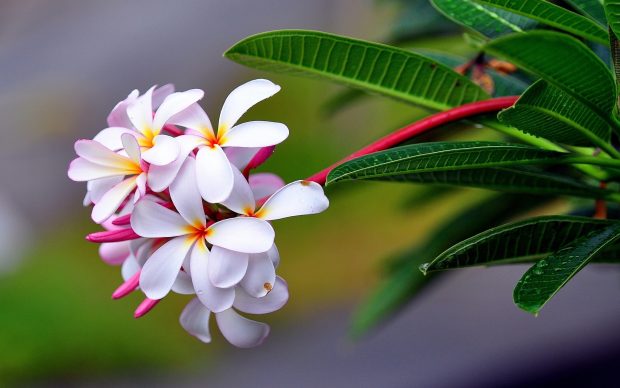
(144, 307)
(128, 287)
(419, 127)
(112, 236)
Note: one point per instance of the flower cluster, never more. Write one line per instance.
(183, 212)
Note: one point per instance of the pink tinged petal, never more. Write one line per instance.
(111, 200)
(186, 197)
(242, 234)
(160, 177)
(131, 284)
(243, 98)
(260, 276)
(111, 137)
(131, 146)
(118, 117)
(140, 187)
(295, 199)
(122, 220)
(183, 284)
(141, 250)
(161, 269)
(130, 268)
(161, 93)
(214, 174)
(97, 153)
(114, 253)
(195, 320)
(81, 170)
(225, 267)
(261, 157)
(112, 236)
(195, 118)
(265, 184)
(174, 104)
(87, 201)
(140, 112)
(269, 303)
(241, 199)
(241, 156)
(145, 307)
(256, 134)
(214, 298)
(240, 331)
(150, 219)
(164, 151)
(99, 187)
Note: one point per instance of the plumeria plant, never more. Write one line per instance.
(184, 212)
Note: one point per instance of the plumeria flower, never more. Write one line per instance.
(135, 116)
(97, 162)
(238, 330)
(213, 272)
(214, 170)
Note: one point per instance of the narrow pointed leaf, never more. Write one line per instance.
(441, 156)
(554, 16)
(516, 241)
(374, 67)
(543, 280)
(488, 21)
(592, 8)
(548, 112)
(562, 61)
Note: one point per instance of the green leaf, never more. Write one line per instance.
(548, 112)
(516, 241)
(612, 12)
(562, 61)
(440, 156)
(554, 16)
(543, 280)
(488, 21)
(592, 8)
(374, 67)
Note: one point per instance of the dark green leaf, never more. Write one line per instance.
(554, 16)
(543, 280)
(592, 8)
(612, 12)
(516, 241)
(370, 66)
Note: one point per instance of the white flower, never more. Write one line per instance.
(214, 170)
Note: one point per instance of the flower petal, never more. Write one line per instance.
(265, 184)
(241, 198)
(114, 253)
(295, 199)
(242, 234)
(240, 331)
(260, 276)
(81, 170)
(97, 153)
(111, 137)
(267, 304)
(185, 195)
(243, 98)
(131, 146)
(98, 187)
(160, 177)
(183, 284)
(111, 200)
(161, 269)
(150, 219)
(226, 268)
(160, 94)
(130, 267)
(256, 134)
(215, 298)
(140, 112)
(174, 104)
(118, 116)
(195, 118)
(240, 156)
(195, 320)
(164, 151)
(214, 174)
(140, 187)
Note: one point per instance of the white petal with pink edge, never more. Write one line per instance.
(118, 116)
(130, 267)
(111, 137)
(185, 195)
(242, 234)
(241, 198)
(195, 320)
(174, 104)
(240, 331)
(194, 117)
(97, 153)
(162, 268)
(214, 174)
(111, 200)
(295, 199)
(243, 98)
(240, 156)
(132, 148)
(140, 112)
(183, 284)
(164, 151)
(214, 298)
(267, 304)
(98, 187)
(265, 184)
(160, 177)
(226, 268)
(256, 134)
(140, 187)
(81, 170)
(260, 276)
(160, 94)
(114, 253)
(150, 219)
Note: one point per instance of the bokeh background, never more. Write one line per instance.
(63, 66)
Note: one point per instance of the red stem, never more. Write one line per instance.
(424, 125)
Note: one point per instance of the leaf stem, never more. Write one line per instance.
(422, 126)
